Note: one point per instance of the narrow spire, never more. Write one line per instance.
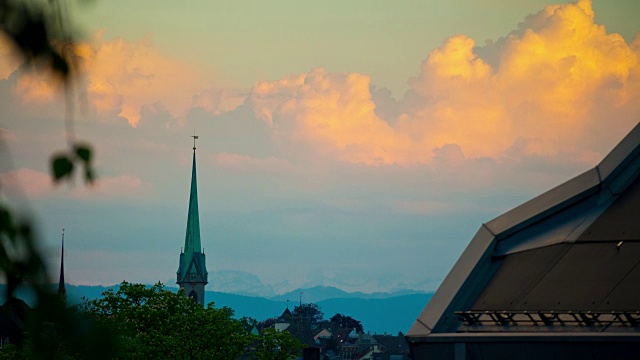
(192, 270)
(192, 238)
(61, 289)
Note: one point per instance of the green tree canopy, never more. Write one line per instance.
(155, 323)
(276, 345)
(310, 312)
(347, 322)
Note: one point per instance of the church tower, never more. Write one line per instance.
(192, 270)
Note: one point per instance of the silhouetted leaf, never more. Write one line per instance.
(84, 152)
(6, 223)
(61, 167)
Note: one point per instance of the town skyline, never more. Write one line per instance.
(362, 155)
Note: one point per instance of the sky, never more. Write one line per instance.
(356, 144)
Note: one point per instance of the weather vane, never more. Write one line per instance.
(195, 137)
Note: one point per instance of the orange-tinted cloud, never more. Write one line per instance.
(37, 87)
(124, 76)
(557, 84)
(8, 61)
(560, 80)
(334, 111)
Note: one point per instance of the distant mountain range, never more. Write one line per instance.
(380, 313)
(320, 293)
(245, 283)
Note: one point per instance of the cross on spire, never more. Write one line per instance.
(195, 137)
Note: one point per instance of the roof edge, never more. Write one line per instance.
(546, 204)
(610, 173)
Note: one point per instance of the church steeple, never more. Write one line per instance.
(192, 271)
(192, 239)
(62, 291)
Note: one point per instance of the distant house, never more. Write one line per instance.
(337, 343)
(322, 334)
(281, 325)
(283, 322)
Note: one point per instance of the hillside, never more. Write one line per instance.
(383, 314)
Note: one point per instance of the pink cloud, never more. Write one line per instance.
(123, 186)
(27, 182)
(35, 184)
(243, 163)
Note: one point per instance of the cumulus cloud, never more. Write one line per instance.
(8, 60)
(123, 77)
(218, 101)
(561, 81)
(332, 111)
(558, 84)
(36, 88)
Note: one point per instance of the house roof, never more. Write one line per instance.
(392, 344)
(560, 252)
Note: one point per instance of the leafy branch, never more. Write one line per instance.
(64, 163)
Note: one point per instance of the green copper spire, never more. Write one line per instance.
(192, 239)
(192, 270)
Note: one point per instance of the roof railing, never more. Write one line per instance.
(548, 318)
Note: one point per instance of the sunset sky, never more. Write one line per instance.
(358, 144)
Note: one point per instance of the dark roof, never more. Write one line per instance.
(556, 263)
(392, 344)
(286, 314)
